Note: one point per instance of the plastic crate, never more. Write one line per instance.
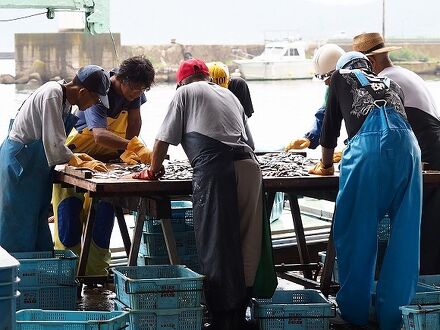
(425, 295)
(430, 280)
(154, 244)
(421, 317)
(8, 289)
(50, 297)
(47, 268)
(181, 218)
(37, 319)
(190, 261)
(293, 309)
(8, 267)
(164, 319)
(7, 311)
(158, 287)
(335, 274)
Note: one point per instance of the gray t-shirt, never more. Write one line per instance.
(41, 118)
(207, 109)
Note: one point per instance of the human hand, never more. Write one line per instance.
(148, 174)
(136, 145)
(83, 160)
(130, 157)
(337, 156)
(300, 143)
(319, 169)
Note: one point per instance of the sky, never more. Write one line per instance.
(244, 21)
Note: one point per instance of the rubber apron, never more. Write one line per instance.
(216, 221)
(26, 181)
(380, 174)
(71, 209)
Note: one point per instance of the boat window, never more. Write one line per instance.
(294, 52)
(273, 51)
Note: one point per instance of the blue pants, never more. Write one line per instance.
(380, 174)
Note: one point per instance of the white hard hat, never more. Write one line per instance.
(325, 59)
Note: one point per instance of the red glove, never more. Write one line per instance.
(148, 174)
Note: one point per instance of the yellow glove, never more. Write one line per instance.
(130, 157)
(320, 170)
(139, 149)
(85, 161)
(337, 155)
(300, 143)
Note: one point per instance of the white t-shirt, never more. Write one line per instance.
(41, 118)
(414, 89)
(208, 109)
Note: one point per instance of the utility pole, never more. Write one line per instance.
(383, 19)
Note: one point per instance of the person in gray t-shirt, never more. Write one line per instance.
(210, 123)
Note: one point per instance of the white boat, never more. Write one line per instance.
(279, 60)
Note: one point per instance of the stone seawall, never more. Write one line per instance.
(46, 56)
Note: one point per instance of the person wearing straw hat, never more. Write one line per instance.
(380, 141)
(423, 117)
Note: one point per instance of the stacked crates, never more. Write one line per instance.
(153, 250)
(293, 310)
(8, 290)
(159, 297)
(47, 280)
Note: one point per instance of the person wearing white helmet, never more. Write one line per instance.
(324, 61)
(380, 141)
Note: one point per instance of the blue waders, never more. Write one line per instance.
(380, 174)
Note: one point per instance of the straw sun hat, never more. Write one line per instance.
(371, 44)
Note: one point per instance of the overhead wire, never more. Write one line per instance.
(22, 17)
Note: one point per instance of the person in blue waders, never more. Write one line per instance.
(34, 145)
(380, 173)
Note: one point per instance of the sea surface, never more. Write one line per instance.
(284, 110)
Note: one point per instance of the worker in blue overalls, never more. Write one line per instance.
(34, 145)
(380, 174)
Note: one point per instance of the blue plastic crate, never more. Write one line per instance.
(190, 261)
(37, 319)
(163, 319)
(181, 218)
(8, 289)
(154, 245)
(158, 287)
(421, 317)
(430, 280)
(7, 311)
(49, 297)
(47, 268)
(293, 309)
(425, 295)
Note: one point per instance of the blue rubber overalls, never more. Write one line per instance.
(380, 174)
(26, 180)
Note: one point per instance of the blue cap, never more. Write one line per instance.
(95, 79)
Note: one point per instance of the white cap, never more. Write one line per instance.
(325, 60)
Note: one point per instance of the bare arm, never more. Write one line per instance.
(134, 123)
(159, 152)
(108, 139)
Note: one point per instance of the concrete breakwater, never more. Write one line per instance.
(40, 57)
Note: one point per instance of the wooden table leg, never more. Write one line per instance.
(170, 241)
(327, 271)
(137, 235)
(86, 239)
(123, 228)
(299, 232)
(270, 197)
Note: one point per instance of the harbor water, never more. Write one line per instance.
(283, 109)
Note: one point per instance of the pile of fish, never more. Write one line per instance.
(284, 164)
(279, 164)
